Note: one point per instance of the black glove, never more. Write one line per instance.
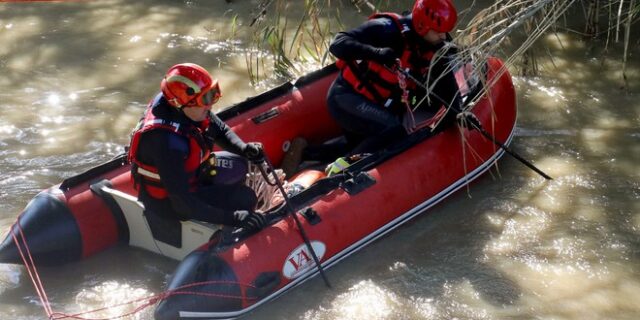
(385, 56)
(468, 120)
(249, 220)
(254, 152)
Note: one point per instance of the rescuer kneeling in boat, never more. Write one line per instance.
(370, 99)
(171, 151)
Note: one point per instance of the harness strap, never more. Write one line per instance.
(355, 69)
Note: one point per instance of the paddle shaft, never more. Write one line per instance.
(480, 129)
(509, 151)
(292, 212)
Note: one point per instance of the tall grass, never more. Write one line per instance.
(612, 21)
(285, 49)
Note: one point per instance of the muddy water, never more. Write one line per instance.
(76, 76)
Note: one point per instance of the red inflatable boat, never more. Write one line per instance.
(227, 274)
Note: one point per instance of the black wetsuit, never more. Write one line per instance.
(368, 125)
(167, 152)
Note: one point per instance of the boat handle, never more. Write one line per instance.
(266, 116)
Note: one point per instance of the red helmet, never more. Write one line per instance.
(437, 15)
(188, 84)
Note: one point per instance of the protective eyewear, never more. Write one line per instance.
(210, 96)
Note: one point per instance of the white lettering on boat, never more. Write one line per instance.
(300, 259)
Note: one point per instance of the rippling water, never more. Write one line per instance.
(76, 77)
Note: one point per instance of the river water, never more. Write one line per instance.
(77, 75)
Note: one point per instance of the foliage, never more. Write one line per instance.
(285, 50)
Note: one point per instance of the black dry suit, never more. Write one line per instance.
(365, 99)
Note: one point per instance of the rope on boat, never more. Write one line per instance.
(149, 301)
(408, 121)
(265, 190)
(22, 246)
(31, 266)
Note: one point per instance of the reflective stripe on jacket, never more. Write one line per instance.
(146, 174)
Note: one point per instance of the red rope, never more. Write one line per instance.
(31, 267)
(156, 298)
(402, 82)
(29, 264)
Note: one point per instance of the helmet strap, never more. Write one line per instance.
(176, 103)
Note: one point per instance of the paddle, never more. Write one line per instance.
(293, 214)
(508, 150)
(476, 126)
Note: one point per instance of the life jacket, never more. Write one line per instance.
(375, 81)
(147, 175)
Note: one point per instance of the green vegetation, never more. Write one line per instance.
(507, 28)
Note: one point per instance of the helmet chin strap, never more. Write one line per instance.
(176, 103)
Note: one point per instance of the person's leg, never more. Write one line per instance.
(227, 190)
(380, 141)
(331, 149)
(229, 197)
(360, 117)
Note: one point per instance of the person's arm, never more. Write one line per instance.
(372, 40)
(446, 86)
(446, 89)
(168, 151)
(224, 136)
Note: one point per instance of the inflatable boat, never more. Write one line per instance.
(227, 273)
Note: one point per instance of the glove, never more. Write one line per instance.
(385, 56)
(249, 220)
(468, 120)
(254, 152)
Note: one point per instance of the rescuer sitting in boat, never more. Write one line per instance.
(371, 99)
(174, 169)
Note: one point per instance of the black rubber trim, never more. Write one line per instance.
(264, 284)
(359, 183)
(201, 283)
(283, 89)
(311, 215)
(266, 116)
(93, 173)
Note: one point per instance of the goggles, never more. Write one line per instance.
(206, 98)
(210, 96)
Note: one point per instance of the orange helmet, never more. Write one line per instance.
(437, 15)
(188, 84)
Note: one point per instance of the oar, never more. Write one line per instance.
(509, 151)
(478, 127)
(292, 212)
